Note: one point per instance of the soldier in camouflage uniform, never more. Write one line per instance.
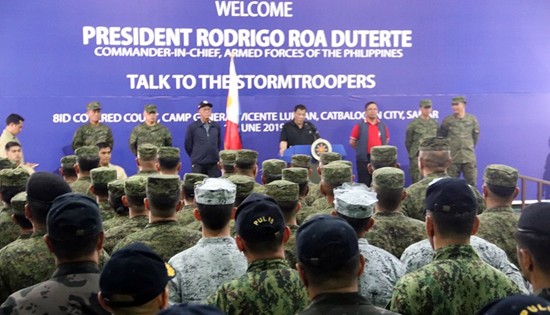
(100, 177)
(313, 191)
(150, 131)
(120, 211)
(392, 230)
(87, 158)
(147, 160)
(201, 269)
(186, 215)
(67, 168)
(457, 281)
(227, 162)
(329, 262)
(269, 285)
(169, 161)
(272, 170)
(74, 285)
(463, 131)
(383, 156)
(246, 164)
(333, 175)
(422, 127)
(355, 204)
(498, 223)
(163, 233)
(18, 207)
(93, 132)
(12, 182)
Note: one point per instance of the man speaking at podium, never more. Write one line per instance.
(298, 131)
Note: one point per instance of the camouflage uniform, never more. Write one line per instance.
(113, 220)
(290, 247)
(105, 210)
(9, 231)
(119, 232)
(157, 135)
(186, 215)
(82, 185)
(421, 253)
(201, 269)
(15, 178)
(456, 282)
(268, 287)
(419, 128)
(90, 135)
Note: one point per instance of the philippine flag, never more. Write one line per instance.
(233, 112)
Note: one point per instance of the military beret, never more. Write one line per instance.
(500, 175)
(426, 103)
(163, 185)
(273, 167)
(383, 153)
(300, 160)
(45, 187)
(203, 104)
(283, 191)
(168, 152)
(150, 108)
(215, 191)
(326, 242)
(354, 200)
(93, 106)
(259, 218)
(133, 276)
(18, 202)
(116, 187)
(298, 175)
(5, 163)
(135, 186)
(327, 157)
(72, 216)
(228, 157)
(459, 99)
(14, 177)
(388, 178)
(147, 152)
(245, 156)
(68, 161)
(191, 309)
(535, 218)
(450, 195)
(434, 144)
(190, 179)
(245, 184)
(103, 175)
(517, 305)
(336, 173)
(87, 152)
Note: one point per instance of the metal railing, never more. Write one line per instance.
(523, 188)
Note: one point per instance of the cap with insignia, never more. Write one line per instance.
(68, 161)
(300, 160)
(298, 175)
(535, 219)
(147, 152)
(150, 108)
(103, 175)
(228, 157)
(388, 178)
(190, 179)
(426, 103)
(259, 218)
(116, 188)
(163, 185)
(500, 175)
(459, 99)
(283, 191)
(168, 153)
(18, 203)
(245, 184)
(203, 104)
(14, 177)
(450, 195)
(135, 186)
(273, 167)
(336, 173)
(246, 156)
(327, 157)
(87, 152)
(383, 153)
(434, 144)
(215, 191)
(354, 200)
(93, 106)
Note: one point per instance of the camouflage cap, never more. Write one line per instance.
(336, 173)
(18, 203)
(215, 191)
(87, 152)
(150, 108)
(345, 162)
(147, 152)
(5, 163)
(273, 167)
(354, 200)
(228, 157)
(300, 160)
(68, 161)
(168, 152)
(383, 153)
(14, 177)
(163, 185)
(388, 178)
(103, 175)
(500, 175)
(116, 188)
(283, 191)
(327, 157)
(246, 156)
(298, 175)
(434, 144)
(93, 106)
(459, 99)
(245, 184)
(135, 186)
(426, 103)
(190, 179)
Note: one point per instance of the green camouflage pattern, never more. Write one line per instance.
(115, 220)
(18, 202)
(116, 188)
(426, 103)
(186, 215)
(150, 108)
(163, 185)
(228, 157)
(89, 135)
(327, 157)
(457, 282)
(87, 152)
(135, 186)
(245, 185)
(115, 234)
(335, 174)
(82, 185)
(290, 247)
(383, 153)
(157, 135)
(498, 225)
(417, 130)
(146, 173)
(147, 152)
(68, 161)
(434, 144)
(190, 179)
(296, 175)
(246, 156)
(268, 287)
(273, 167)
(459, 99)
(14, 177)
(102, 175)
(300, 160)
(9, 231)
(169, 153)
(388, 178)
(463, 134)
(282, 191)
(501, 175)
(313, 193)
(94, 105)
(105, 210)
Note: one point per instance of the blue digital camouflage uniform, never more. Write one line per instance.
(268, 287)
(498, 225)
(457, 282)
(201, 269)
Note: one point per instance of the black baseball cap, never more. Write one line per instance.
(259, 218)
(203, 104)
(450, 195)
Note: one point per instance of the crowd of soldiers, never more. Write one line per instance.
(95, 242)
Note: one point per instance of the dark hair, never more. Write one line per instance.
(168, 163)
(435, 160)
(69, 171)
(300, 107)
(14, 119)
(288, 208)
(137, 201)
(39, 210)
(358, 225)
(103, 145)
(87, 164)
(303, 189)
(74, 248)
(245, 166)
(369, 103)
(163, 206)
(538, 246)
(188, 192)
(329, 278)
(11, 144)
(378, 164)
(101, 189)
(23, 222)
(266, 246)
(215, 217)
(270, 177)
(389, 198)
(501, 191)
(9, 192)
(229, 168)
(117, 205)
(453, 224)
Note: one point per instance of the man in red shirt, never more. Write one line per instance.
(366, 134)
